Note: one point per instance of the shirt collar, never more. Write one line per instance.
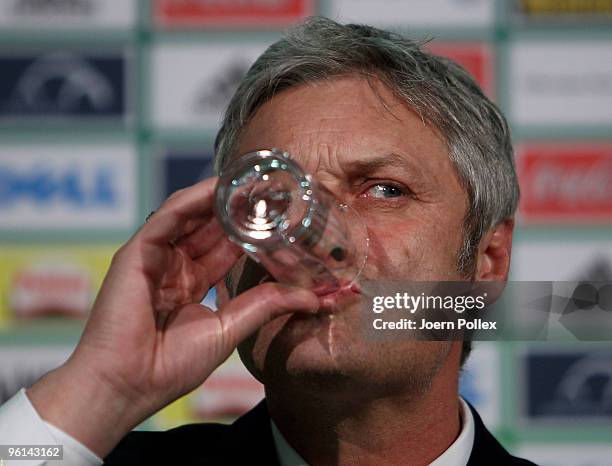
(457, 454)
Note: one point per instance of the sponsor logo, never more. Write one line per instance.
(58, 187)
(49, 289)
(62, 14)
(567, 385)
(566, 183)
(46, 186)
(432, 13)
(192, 84)
(230, 12)
(213, 95)
(63, 86)
(182, 169)
(476, 58)
(38, 281)
(574, 88)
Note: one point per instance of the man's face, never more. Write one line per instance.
(372, 152)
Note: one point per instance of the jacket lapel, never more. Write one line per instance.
(252, 437)
(486, 449)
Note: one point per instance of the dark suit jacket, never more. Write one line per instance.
(248, 441)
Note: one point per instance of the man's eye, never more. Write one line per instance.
(384, 191)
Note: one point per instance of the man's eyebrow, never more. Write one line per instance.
(392, 160)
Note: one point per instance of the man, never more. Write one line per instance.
(413, 145)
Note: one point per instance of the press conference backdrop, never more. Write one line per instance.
(108, 106)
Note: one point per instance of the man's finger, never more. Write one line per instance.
(219, 259)
(253, 308)
(202, 239)
(169, 222)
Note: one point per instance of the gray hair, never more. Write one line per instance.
(439, 90)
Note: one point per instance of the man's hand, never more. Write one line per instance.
(148, 340)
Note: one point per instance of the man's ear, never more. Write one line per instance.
(494, 251)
